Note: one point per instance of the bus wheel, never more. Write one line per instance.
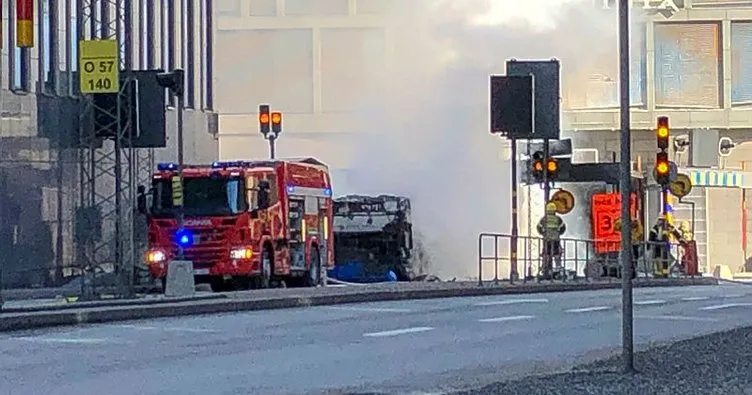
(313, 276)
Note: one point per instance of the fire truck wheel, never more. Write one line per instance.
(313, 277)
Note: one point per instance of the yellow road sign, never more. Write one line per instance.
(177, 191)
(682, 186)
(564, 201)
(99, 66)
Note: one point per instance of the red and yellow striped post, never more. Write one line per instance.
(25, 23)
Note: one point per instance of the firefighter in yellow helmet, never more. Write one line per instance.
(551, 227)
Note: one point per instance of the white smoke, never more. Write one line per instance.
(425, 130)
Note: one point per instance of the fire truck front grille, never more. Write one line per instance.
(210, 246)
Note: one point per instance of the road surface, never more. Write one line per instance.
(420, 346)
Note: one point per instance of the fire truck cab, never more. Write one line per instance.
(247, 224)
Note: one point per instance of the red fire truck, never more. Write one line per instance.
(247, 224)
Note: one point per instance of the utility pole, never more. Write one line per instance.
(513, 272)
(174, 81)
(625, 181)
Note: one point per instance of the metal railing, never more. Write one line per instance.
(581, 259)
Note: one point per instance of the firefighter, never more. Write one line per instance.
(660, 246)
(551, 227)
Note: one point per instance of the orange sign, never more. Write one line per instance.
(606, 210)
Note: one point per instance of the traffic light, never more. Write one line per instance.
(662, 168)
(662, 133)
(552, 167)
(277, 123)
(264, 119)
(537, 166)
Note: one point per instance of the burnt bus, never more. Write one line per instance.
(373, 239)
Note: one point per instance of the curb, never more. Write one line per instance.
(91, 315)
(110, 303)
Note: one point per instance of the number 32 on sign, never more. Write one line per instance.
(98, 66)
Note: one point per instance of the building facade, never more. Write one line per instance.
(691, 61)
(40, 189)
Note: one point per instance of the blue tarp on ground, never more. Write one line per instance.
(354, 272)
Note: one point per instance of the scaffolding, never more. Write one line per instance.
(110, 168)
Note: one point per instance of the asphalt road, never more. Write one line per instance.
(420, 347)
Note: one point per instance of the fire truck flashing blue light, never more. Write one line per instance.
(328, 192)
(221, 164)
(167, 166)
(290, 189)
(184, 237)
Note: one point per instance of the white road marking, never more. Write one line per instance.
(398, 331)
(677, 318)
(695, 298)
(166, 329)
(512, 301)
(588, 309)
(511, 318)
(62, 340)
(648, 302)
(190, 330)
(726, 306)
(731, 296)
(368, 309)
(137, 327)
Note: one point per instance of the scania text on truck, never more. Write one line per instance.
(248, 224)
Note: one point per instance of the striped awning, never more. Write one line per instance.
(719, 178)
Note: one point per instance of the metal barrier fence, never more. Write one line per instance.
(580, 259)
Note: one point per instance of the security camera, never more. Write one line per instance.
(681, 143)
(725, 145)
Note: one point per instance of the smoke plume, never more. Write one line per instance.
(425, 124)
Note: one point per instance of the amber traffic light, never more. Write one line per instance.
(277, 122)
(662, 168)
(662, 133)
(264, 119)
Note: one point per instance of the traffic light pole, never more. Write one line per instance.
(181, 165)
(546, 184)
(513, 273)
(625, 181)
(272, 145)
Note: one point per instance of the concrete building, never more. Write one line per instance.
(29, 205)
(691, 61)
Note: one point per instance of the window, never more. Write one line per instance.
(208, 55)
(190, 53)
(741, 63)
(378, 7)
(597, 84)
(352, 66)
(283, 76)
(688, 65)
(316, 7)
(201, 197)
(263, 7)
(71, 42)
(228, 8)
(171, 47)
(18, 59)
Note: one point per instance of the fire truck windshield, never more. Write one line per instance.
(201, 197)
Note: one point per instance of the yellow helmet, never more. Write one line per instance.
(550, 208)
